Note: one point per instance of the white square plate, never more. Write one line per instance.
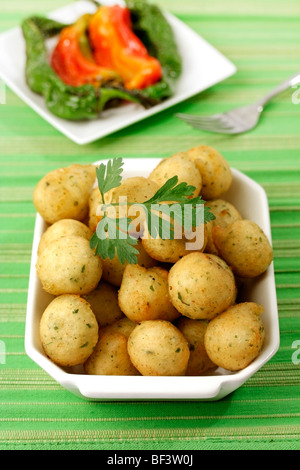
(250, 199)
(203, 67)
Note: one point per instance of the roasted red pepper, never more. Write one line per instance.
(116, 47)
(73, 61)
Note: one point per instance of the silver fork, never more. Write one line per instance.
(238, 120)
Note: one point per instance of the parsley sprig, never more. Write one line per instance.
(109, 176)
(172, 203)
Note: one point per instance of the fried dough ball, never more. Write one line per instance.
(64, 193)
(225, 213)
(201, 286)
(95, 201)
(104, 303)
(235, 337)
(245, 248)
(113, 269)
(63, 228)
(179, 165)
(158, 348)
(194, 332)
(68, 330)
(143, 294)
(69, 266)
(110, 357)
(215, 171)
(124, 326)
(136, 189)
(170, 251)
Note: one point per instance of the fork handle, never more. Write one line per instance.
(294, 80)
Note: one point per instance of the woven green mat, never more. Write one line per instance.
(262, 39)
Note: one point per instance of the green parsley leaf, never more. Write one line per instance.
(171, 191)
(109, 176)
(109, 241)
(168, 206)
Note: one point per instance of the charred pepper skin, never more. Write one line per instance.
(67, 102)
(151, 26)
(86, 102)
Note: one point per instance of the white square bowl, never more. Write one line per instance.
(203, 67)
(251, 200)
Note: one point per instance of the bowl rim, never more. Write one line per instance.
(208, 387)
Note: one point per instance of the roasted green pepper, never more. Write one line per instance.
(68, 102)
(151, 26)
(87, 101)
